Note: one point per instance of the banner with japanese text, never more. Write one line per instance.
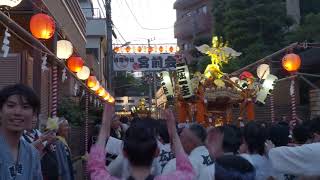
(166, 83)
(184, 80)
(144, 62)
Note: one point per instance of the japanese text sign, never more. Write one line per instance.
(143, 62)
(184, 80)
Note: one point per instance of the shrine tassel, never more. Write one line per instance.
(86, 133)
(272, 108)
(293, 103)
(54, 90)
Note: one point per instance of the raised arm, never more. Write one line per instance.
(96, 162)
(184, 168)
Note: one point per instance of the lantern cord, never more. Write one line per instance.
(26, 42)
(308, 82)
(37, 7)
(307, 74)
(265, 58)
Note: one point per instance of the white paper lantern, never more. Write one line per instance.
(269, 82)
(95, 88)
(64, 49)
(10, 3)
(84, 73)
(263, 71)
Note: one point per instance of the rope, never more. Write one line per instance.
(86, 134)
(272, 108)
(54, 90)
(293, 103)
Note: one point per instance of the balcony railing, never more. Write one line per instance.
(95, 13)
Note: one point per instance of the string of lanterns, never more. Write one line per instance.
(42, 26)
(146, 49)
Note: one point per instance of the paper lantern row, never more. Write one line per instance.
(95, 86)
(43, 26)
(146, 49)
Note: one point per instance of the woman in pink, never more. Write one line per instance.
(140, 147)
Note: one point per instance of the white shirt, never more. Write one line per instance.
(262, 165)
(165, 155)
(207, 173)
(114, 146)
(301, 160)
(120, 167)
(199, 159)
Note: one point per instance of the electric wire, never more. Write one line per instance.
(140, 25)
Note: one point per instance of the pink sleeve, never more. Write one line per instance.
(96, 164)
(184, 170)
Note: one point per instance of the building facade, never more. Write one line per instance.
(96, 36)
(24, 61)
(194, 20)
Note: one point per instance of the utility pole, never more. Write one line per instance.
(152, 78)
(109, 56)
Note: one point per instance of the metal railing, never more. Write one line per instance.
(93, 13)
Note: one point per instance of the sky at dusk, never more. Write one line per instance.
(150, 14)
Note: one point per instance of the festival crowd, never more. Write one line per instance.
(147, 149)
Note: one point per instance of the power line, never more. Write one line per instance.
(120, 33)
(140, 25)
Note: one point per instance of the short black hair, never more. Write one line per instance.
(23, 91)
(124, 119)
(198, 131)
(233, 167)
(301, 134)
(140, 143)
(279, 135)
(231, 138)
(255, 136)
(163, 131)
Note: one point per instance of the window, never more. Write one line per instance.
(119, 101)
(131, 101)
(203, 10)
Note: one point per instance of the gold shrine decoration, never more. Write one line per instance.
(220, 54)
(166, 83)
(184, 80)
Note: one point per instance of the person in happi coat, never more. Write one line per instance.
(19, 160)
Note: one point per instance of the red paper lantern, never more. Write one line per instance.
(116, 49)
(161, 49)
(171, 49)
(150, 49)
(128, 48)
(75, 63)
(42, 26)
(101, 91)
(139, 49)
(92, 81)
(291, 62)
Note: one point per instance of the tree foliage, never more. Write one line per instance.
(307, 31)
(124, 82)
(254, 27)
(71, 110)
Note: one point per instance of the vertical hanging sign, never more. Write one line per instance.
(166, 83)
(184, 80)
